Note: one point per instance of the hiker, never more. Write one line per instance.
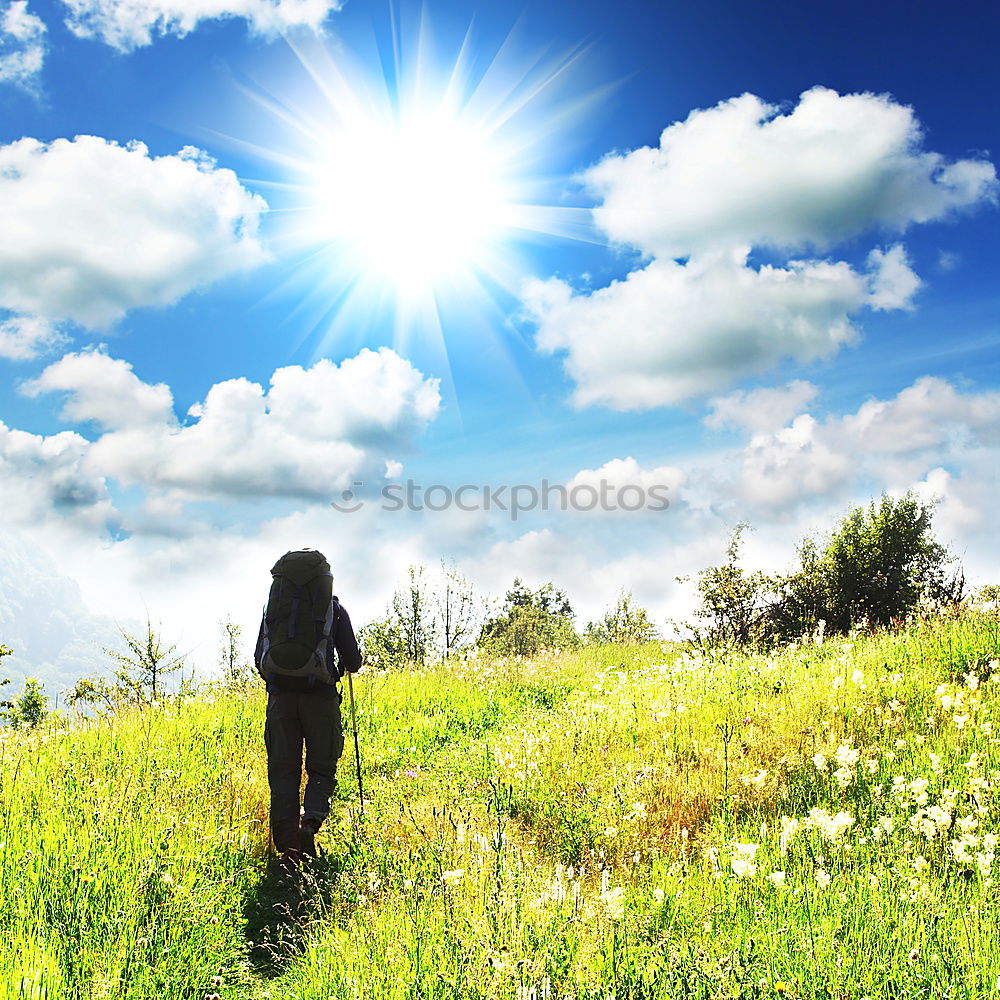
(303, 624)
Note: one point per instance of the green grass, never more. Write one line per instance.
(600, 823)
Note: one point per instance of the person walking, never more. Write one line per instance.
(305, 645)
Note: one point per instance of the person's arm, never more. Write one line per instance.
(346, 644)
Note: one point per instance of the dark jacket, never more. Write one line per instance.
(348, 659)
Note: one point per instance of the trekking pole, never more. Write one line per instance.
(357, 749)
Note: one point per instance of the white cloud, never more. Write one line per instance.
(928, 414)
(44, 619)
(886, 444)
(130, 24)
(105, 391)
(788, 482)
(696, 317)
(671, 331)
(26, 337)
(760, 410)
(790, 465)
(623, 487)
(22, 45)
(308, 435)
(93, 229)
(47, 477)
(893, 282)
(742, 173)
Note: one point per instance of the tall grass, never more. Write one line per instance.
(626, 822)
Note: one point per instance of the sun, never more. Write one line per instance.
(416, 200)
(411, 187)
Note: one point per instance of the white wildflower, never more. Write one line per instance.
(831, 827)
(843, 776)
(789, 827)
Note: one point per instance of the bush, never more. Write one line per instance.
(625, 623)
(383, 646)
(529, 621)
(139, 674)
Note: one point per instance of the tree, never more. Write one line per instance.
(405, 633)
(413, 616)
(459, 611)
(625, 624)
(236, 671)
(529, 621)
(138, 677)
(382, 644)
(735, 605)
(875, 568)
(802, 596)
(29, 711)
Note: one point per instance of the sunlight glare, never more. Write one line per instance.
(415, 198)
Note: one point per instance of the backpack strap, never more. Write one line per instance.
(296, 599)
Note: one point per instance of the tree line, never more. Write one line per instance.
(438, 616)
(880, 564)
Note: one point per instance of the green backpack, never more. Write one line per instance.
(298, 620)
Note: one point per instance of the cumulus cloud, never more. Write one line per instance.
(26, 337)
(928, 414)
(788, 481)
(22, 45)
(760, 410)
(309, 434)
(130, 24)
(670, 331)
(697, 315)
(885, 444)
(622, 486)
(49, 475)
(742, 173)
(105, 391)
(893, 282)
(93, 229)
(792, 464)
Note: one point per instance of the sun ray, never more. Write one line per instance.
(412, 188)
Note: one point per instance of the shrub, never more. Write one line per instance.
(529, 621)
(625, 623)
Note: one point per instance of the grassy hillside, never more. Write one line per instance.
(617, 822)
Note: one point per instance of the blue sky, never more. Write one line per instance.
(787, 307)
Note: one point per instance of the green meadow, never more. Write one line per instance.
(607, 823)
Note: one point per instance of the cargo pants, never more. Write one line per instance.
(293, 719)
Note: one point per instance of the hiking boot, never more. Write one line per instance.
(307, 837)
(290, 861)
